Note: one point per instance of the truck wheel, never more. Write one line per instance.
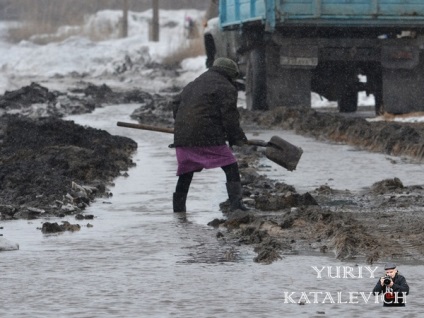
(379, 107)
(210, 49)
(378, 92)
(348, 101)
(256, 80)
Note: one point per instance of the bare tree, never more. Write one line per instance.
(155, 21)
(125, 20)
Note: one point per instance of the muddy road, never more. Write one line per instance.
(52, 167)
(380, 223)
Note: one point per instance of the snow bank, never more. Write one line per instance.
(79, 56)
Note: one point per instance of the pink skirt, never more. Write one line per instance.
(194, 159)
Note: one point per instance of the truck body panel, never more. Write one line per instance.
(366, 13)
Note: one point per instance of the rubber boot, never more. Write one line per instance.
(235, 196)
(179, 201)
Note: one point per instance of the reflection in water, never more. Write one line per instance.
(141, 260)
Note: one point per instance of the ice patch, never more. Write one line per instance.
(6, 245)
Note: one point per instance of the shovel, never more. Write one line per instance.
(277, 149)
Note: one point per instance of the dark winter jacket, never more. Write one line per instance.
(205, 112)
(400, 287)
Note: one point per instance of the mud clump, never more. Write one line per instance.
(287, 200)
(58, 228)
(28, 95)
(388, 185)
(36, 101)
(158, 112)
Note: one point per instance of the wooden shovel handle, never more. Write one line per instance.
(253, 142)
(146, 127)
(257, 142)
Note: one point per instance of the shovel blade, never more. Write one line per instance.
(283, 153)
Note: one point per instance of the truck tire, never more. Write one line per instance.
(347, 83)
(379, 107)
(210, 49)
(256, 80)
(348, 101)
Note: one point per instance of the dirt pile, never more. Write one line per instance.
(49, 166)
(384, 223)
(307, 228)
(55, 167)
(36, 101)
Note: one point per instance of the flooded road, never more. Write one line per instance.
(141, 260)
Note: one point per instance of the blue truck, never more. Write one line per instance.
(287, 49)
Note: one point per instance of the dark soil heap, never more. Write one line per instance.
(36, 101)
(45, 164)
(49, 166)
